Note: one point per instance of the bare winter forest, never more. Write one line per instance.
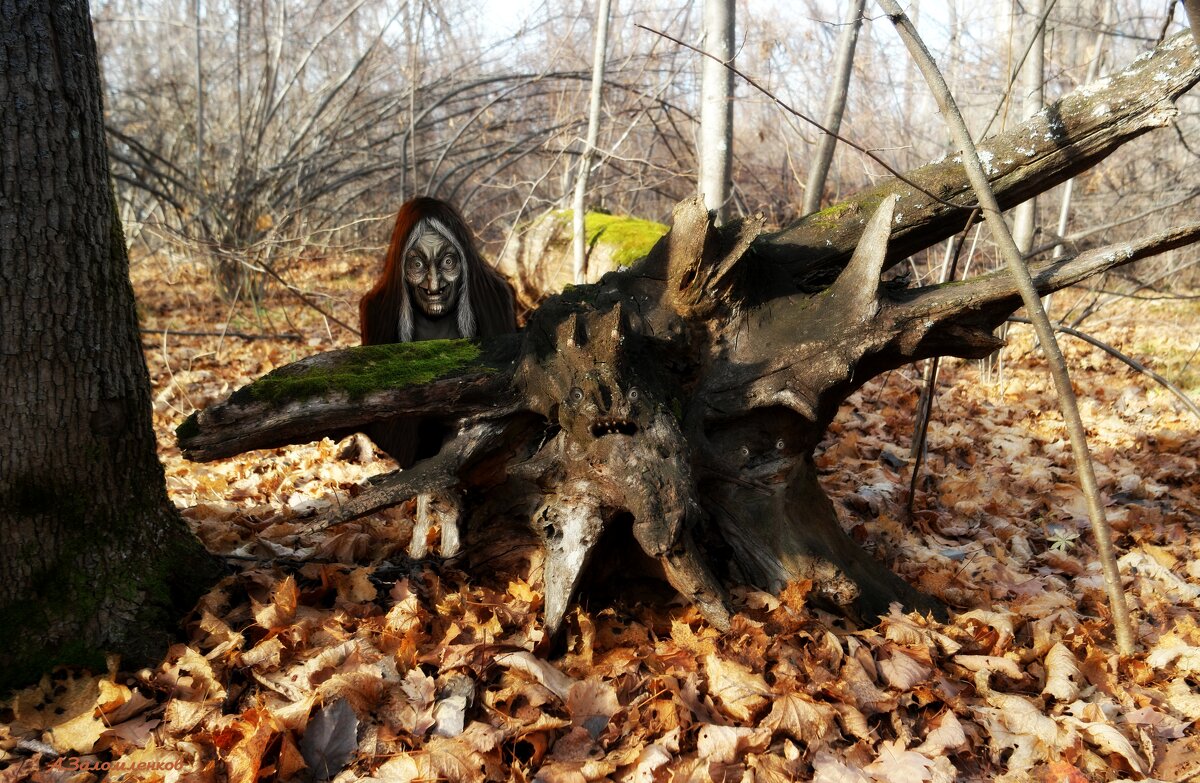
(952, 620)
(271, 132)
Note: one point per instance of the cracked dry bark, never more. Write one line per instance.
(97, 560)
(679, 403)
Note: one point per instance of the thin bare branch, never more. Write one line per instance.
(1029, 295)
(797, 113)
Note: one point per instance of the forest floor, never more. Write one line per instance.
(329, 647)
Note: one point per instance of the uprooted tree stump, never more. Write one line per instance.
(682, 400)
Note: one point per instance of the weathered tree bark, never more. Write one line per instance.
(682, 400)
(95, 557)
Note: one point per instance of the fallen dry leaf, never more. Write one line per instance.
(725, 744)
(538, 670)
(441, 758)
(591, 703)
(829, 769)
(741, 693)
(946, 734)
(801, 718)
(899, 765)
(1062, 674)
(330, 740)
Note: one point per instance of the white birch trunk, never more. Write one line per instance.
(1025, 215)
(589, 145)
(716, 107)
(1064, 210)
(834, 108)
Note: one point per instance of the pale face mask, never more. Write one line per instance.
(433, 269)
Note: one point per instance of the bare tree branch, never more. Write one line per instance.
(1029, 295)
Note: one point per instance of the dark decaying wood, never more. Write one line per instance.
(679, 403)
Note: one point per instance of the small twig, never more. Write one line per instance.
(239, 335)
(1040, 28)
(1059, 240)
(1166, 25)
(797, 113)
(1129, 360)
(1097, 305)
(1158, 298)
(1041, 323)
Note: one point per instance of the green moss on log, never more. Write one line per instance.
(359, 371)
(628, 238)
(831, 215)
(631, 238)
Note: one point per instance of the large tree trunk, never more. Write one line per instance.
(679, 404)
(95, 557)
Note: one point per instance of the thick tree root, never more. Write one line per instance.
(444, 509)
(691, 577)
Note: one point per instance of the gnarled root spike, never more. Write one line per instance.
(570, 530)
(856, 290)
(688, 573)
(451, 541)
(418, 547)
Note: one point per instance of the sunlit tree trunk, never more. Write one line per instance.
(834, 108)
(716, 107)
(1025, 215)
(589, 145)
(1193, 13)
(1068, 191)
(95, 557)
(199, 93)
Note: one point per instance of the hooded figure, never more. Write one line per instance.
(435, 285)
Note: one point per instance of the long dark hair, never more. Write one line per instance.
(488, 296)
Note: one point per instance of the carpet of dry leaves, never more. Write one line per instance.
(327, 654)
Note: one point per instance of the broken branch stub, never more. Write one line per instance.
(702, 258)
(856, 289)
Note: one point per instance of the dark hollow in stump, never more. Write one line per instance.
(683, 399)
